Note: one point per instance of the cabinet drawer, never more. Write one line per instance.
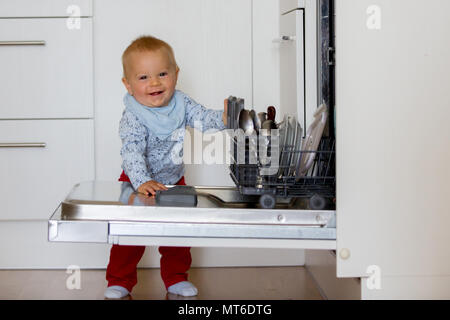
(44, 8)
(40, 161)
(50, 77)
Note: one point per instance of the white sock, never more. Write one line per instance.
(116, 292)
(183, 288)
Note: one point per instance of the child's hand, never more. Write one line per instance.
(150, 187)
(225, 111)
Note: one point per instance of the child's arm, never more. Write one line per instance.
(134, 143)
(203, 119)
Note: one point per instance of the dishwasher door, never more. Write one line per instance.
(112, 212)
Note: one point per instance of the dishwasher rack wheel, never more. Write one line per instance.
(317, 202)
(267, 201)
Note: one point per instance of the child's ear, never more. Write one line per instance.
(127, 85)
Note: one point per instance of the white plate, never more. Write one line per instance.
(292, 125)
(284, 133)
(282, 127)
(291, 145)
(297, 146)
(281, 137)
(311, 141)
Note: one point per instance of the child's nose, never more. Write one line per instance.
(155, 82)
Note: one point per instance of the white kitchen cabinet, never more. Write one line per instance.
(392, 99)
(44, 8)
(46, 69)
(392, 104)
(40, 161)
(46, 125)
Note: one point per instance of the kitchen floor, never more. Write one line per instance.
(249, 283)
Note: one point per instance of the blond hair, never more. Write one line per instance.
(147, 43)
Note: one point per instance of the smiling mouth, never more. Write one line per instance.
(157, 93)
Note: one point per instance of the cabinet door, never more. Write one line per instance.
(292, 65)
(392, 104)
(40, 161)
(298, 61)
(50, 77)
(44, 8)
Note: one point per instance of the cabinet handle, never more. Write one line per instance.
(331, 56)
(23, 145)
(23, 43)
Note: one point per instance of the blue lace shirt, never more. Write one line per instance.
(146, 157)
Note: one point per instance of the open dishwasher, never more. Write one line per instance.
(112, 212)
(275, 210)
(263, 210)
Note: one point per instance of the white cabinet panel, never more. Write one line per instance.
(44, 8)
(266, 56)
(393, 145)
(292, 65)
(51, 79)
(35, 179)
(298, 60)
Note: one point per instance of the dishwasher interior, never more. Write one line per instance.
(284, 174)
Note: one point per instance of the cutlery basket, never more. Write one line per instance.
(317, 185)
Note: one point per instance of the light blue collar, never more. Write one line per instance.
(162, 121)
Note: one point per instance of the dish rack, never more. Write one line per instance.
(317, 185)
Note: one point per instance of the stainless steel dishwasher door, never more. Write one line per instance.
(111, 212)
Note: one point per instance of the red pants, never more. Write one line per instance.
(123, 260)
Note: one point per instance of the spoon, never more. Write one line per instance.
(246, 122)
(255, 119)
(261, 117)
(267, 126)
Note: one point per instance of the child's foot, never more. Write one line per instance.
(116, 292)
(183, 288)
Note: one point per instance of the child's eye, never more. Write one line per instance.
(163, 74)
(142, 77)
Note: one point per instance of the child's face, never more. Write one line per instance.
(151, 78)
